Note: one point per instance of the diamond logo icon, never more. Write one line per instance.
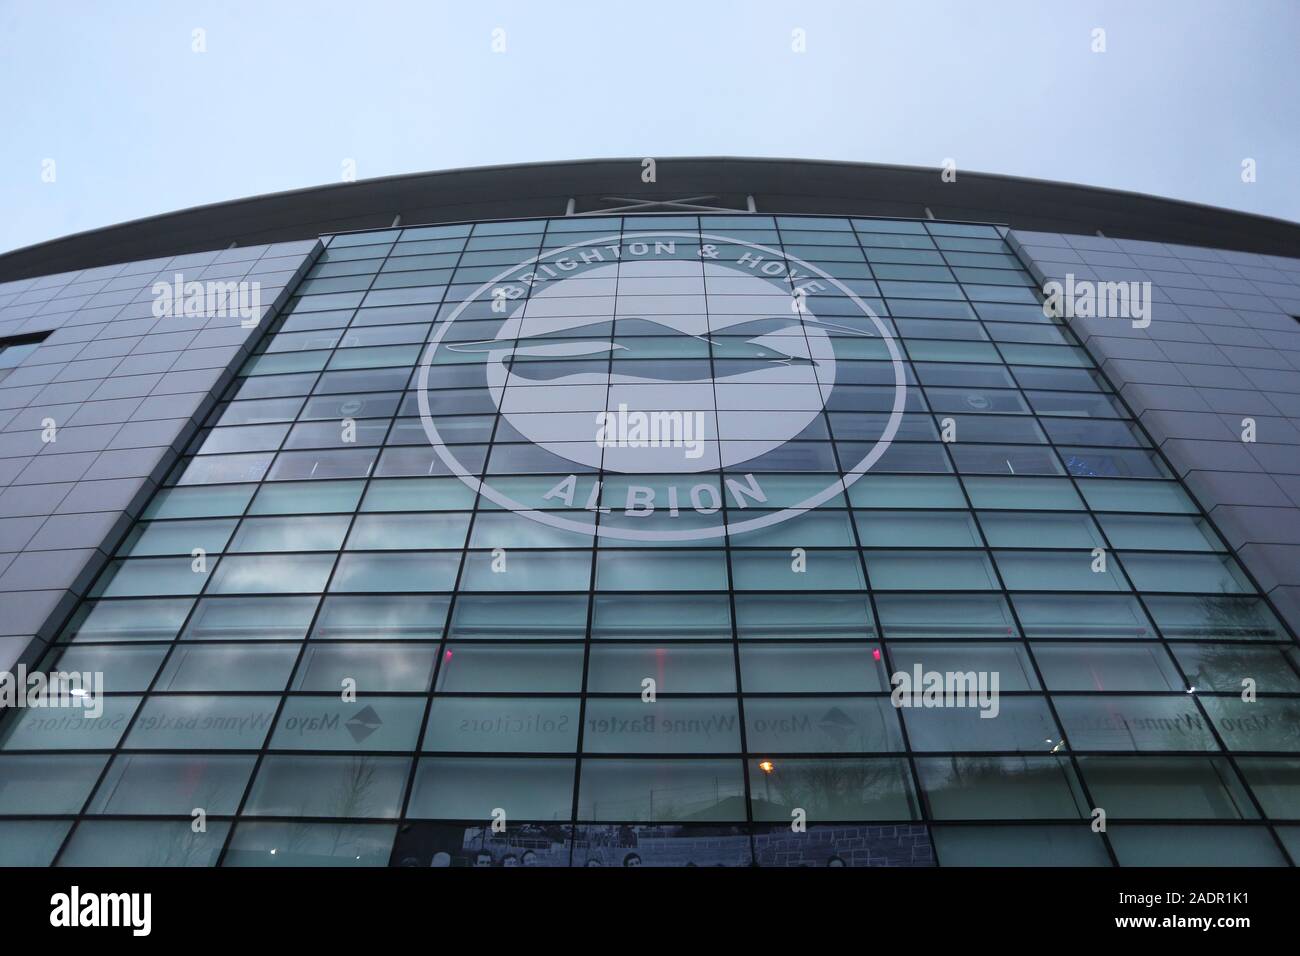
(837, 725)
(365, 723)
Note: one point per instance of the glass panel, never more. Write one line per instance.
(216, 667)
(1268, 723)
(841, 789)
(395, 572)
(316, 533)
(381, 618)
(675, 668)
(1276, 782)
(1054, 571)
(176, 537)
(821, 725)
(662, 790)
(150, 576)
(1009, 662)
(1156, 533)
(668, 571)
(31, 842)
(306, 498)
(1107, 667)
(918, 529)
(1150, 787)
(1019, 846)
(940, 570)
(82, 728)
(510, 667)
(1010, 529)
(1186, 572)
(802, 617)
(142, 620)
(368, 723)
(123, 668)
(945, 615)
(309, 844)
(1018, 724)
(502, 724)
(1194, 846)
(1038, 494)
(352, 786)
(470, 788)
(701, 725)
(37, 784)
(202, 723)
(808, 667)
(371, 668)
(1082, 615)
(1215, 617)
(251, 619)
(173, 785)
(1001, 788)
(272, 574)
(1134, 723)
(144, 843)
(1225, 667)
(408, 531)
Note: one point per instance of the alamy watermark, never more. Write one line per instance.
(651, 429)
(1086, 299)
(922, 688)
(212, 299)
(74, 909)
(65, 689)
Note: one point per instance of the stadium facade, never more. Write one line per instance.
(759, 514)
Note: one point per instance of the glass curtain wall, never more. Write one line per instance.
(365, 617)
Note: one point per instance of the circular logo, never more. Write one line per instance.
(698, 365)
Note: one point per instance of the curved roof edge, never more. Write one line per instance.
(781, 186)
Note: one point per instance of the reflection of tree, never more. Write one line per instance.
(1222, 666)
(833, 789)
(176, 844)
(838, 788)
(351, 797)
(298, 836)
(688, 801)
(965, 780)
(1233, 615)
(352, 794)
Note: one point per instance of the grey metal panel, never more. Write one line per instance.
(125, 389)
(1196, 372)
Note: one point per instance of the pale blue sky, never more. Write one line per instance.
(138, 124)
